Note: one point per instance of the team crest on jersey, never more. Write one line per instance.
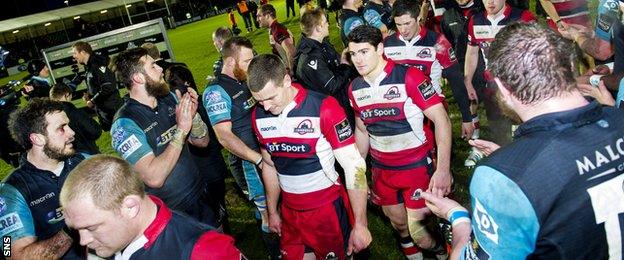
(424, 53)
(305, 127)
(213, 97)
(392, 93)
(426, 90)
(485, 223)
(313, 64)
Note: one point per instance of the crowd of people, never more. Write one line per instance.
(303, 126)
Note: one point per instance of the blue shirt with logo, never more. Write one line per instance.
(15, 218)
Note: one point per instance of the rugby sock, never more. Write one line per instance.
(410, 250)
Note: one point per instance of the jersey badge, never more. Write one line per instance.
(129, 146)
(485, 223)
(118, 136)
(424, 53)
(304, 127)
(313, 64)
(55, 216)
(426, 90)
(343, 130)
(392, 93)
(213, 97)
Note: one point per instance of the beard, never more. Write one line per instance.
(239, 73)
(156, 88)
(506, 109)
(58, 153)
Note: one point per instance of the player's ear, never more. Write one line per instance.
(138, 78)
(287, 81)
(380, 48)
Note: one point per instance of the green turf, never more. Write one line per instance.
(192, 44)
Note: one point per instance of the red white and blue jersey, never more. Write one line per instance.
(392, 108)
(301, 141)
(428, 51)
(482, 29)
(568, 9)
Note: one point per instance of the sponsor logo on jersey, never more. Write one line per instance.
(249, 103)
(427, 90)
(364, 97)
(218, 108)
(393, 54)
(343, 130)
(276, 147)
(129, 146)
(165, 137)
(10, 222)
(268, 128)
(424, 53)
(603, 156)
(42, 199)
(2, 204)
(55, 216)
(304, 127)
(485, 223)
(392, 93)
(150, 127)
(380, 112)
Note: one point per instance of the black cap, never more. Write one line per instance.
(35, 66)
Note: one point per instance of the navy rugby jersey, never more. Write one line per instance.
(40, 191)
(229, 100)
(555, 192)
(301, 141)
(139, 130)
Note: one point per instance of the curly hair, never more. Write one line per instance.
(533, 62)
(127, 63)
(30, 119)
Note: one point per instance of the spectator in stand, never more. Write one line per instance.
(232, 22)
(86, 128)
(243, 10)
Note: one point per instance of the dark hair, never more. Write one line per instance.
(268, 9)
(532, 61)
(35, 66)
(31, 119)
(263, 69)
(127, 63)
(180, 77)
(152, 50)
(365, 33)
(232, 46)
(311, 19)
(403, 7)
(83, 46)
(59, 90)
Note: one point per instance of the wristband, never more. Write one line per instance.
(458, 215)
(594, 80)
(199, 129)
(258, 162)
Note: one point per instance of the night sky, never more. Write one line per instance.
(15, 8)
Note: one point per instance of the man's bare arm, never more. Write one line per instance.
(52, 248)
(234, 144)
